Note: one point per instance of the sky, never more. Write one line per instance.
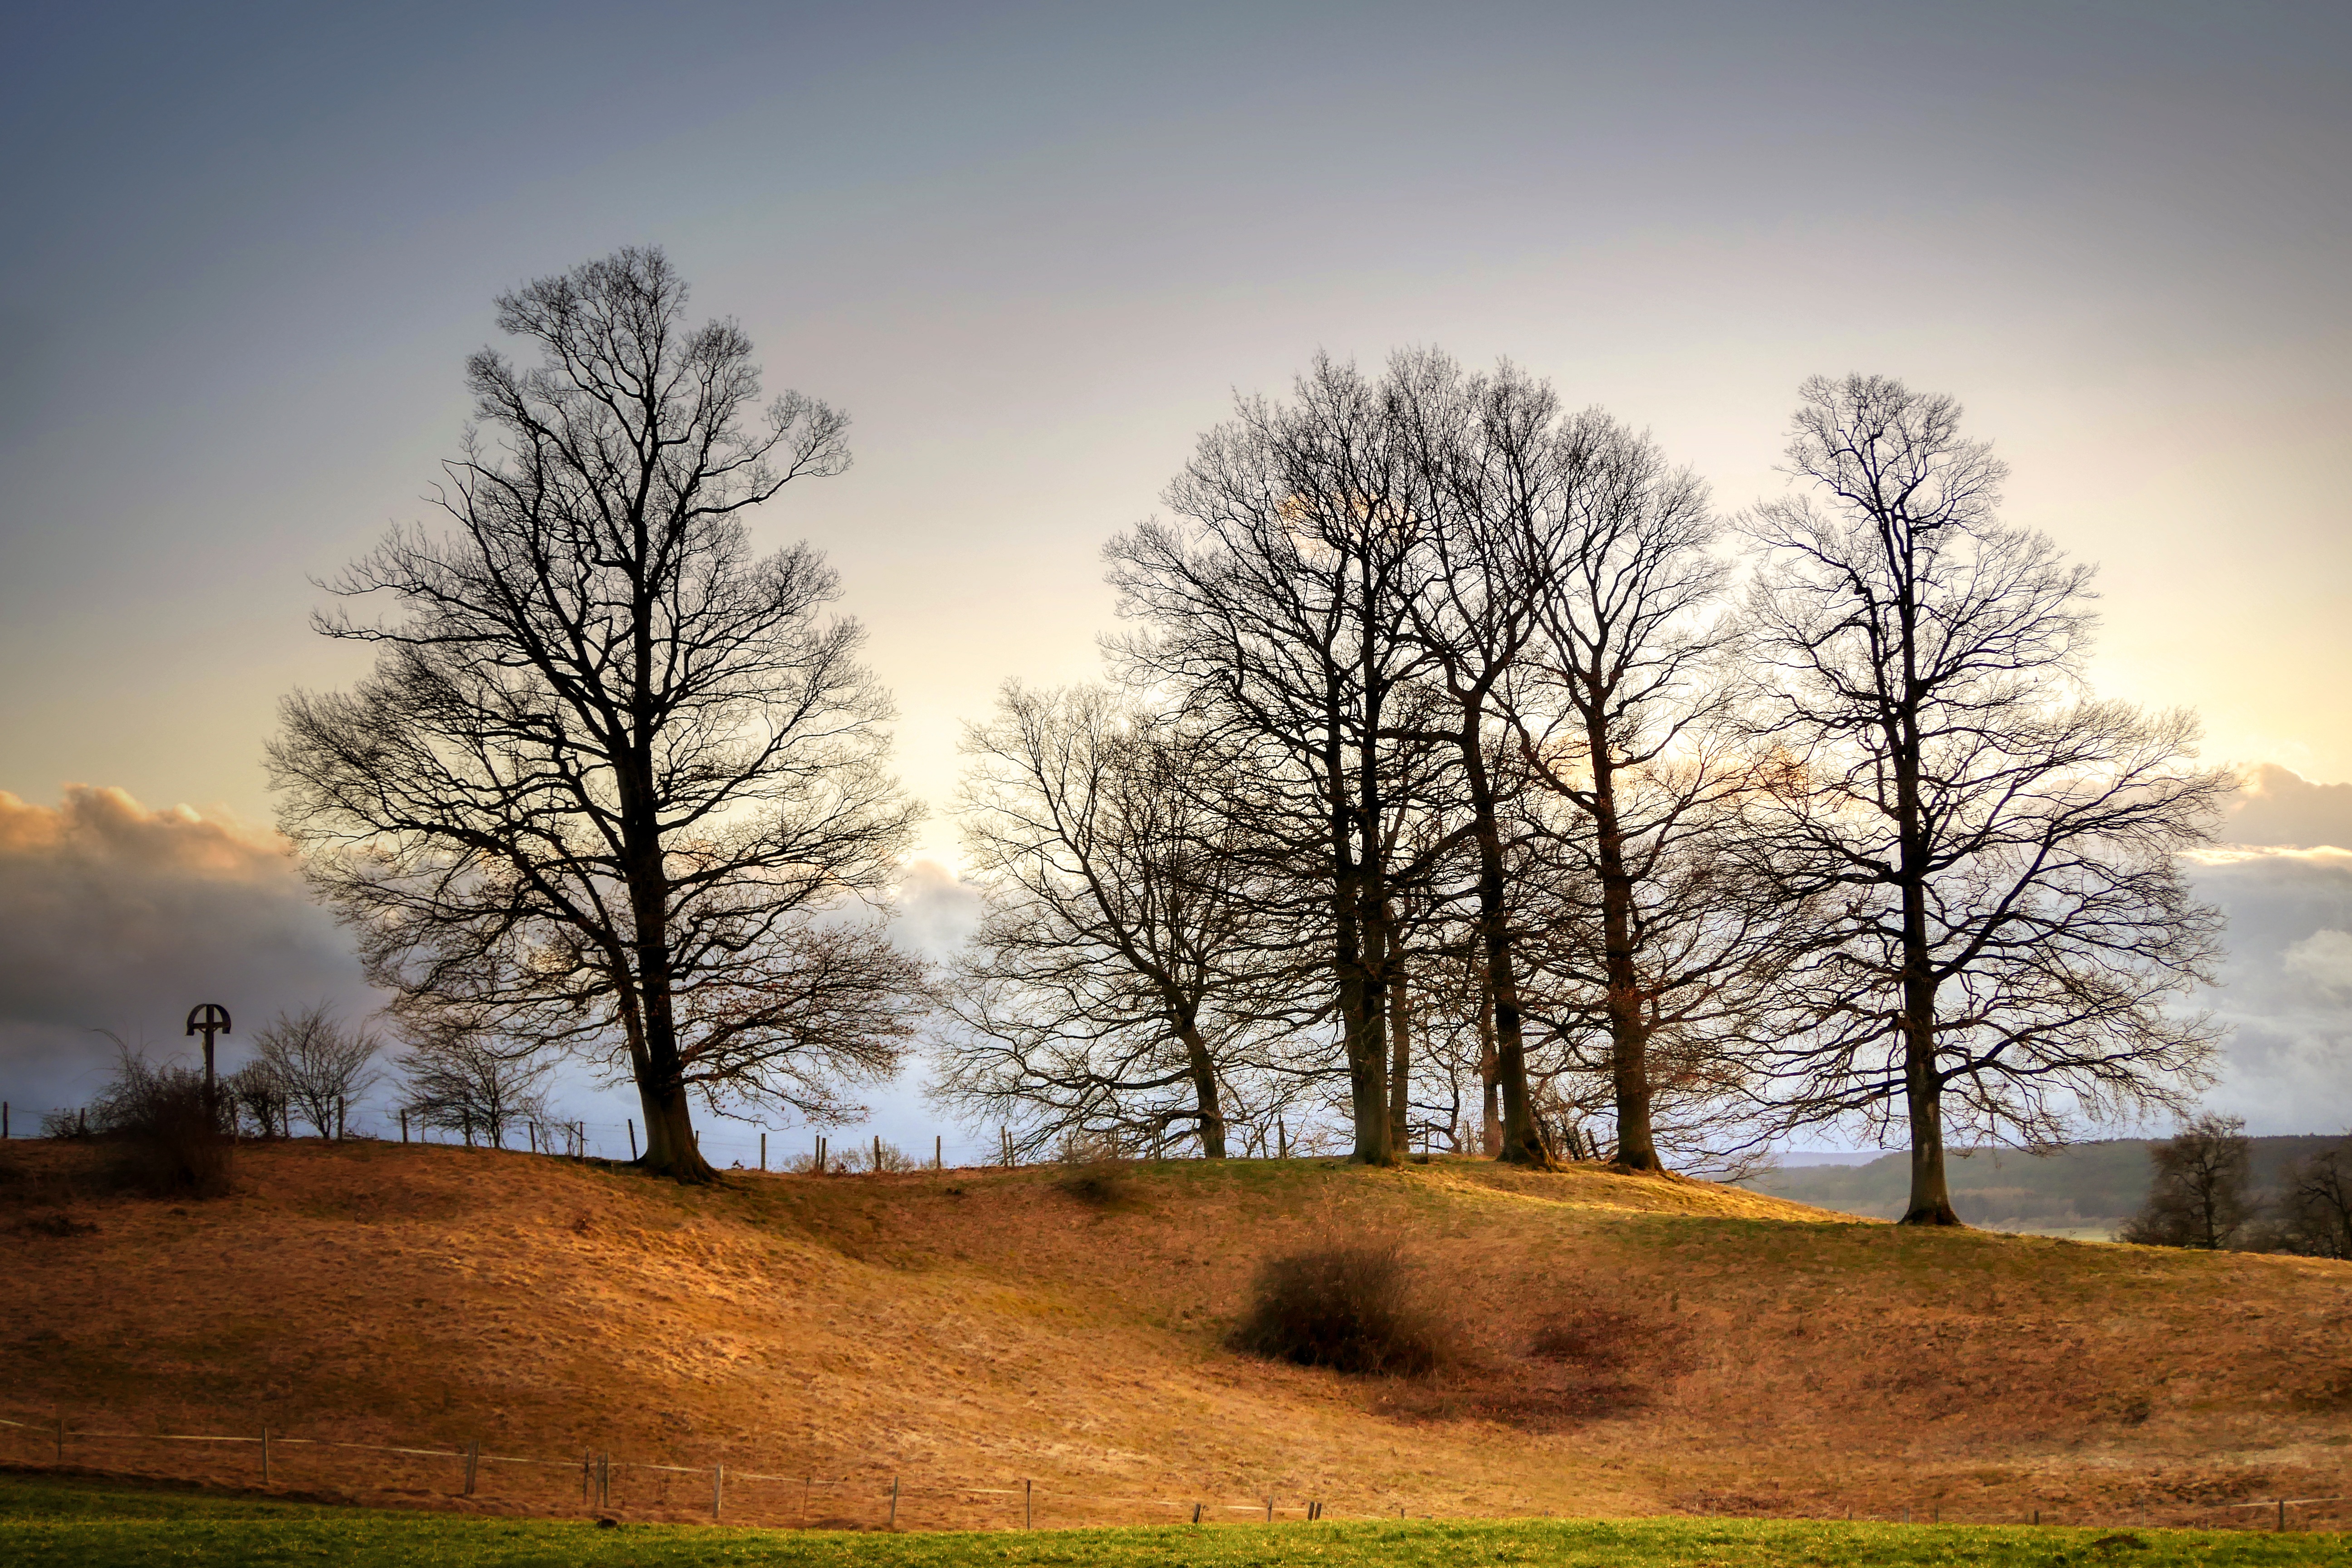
(1035, 251)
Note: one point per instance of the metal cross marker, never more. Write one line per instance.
(209, 1019)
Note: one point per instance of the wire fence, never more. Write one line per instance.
(599, 1482)
(725, 1143)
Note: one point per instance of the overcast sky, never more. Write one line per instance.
(1036, 250)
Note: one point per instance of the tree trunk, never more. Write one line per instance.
(1490, 1074)
(1204, 1089)
(1629, 1030)
(1923, 1088)
(670, 1149)
(1522, 1140)
(1400, 1058)
(1359, 1010)
(1931, 1200)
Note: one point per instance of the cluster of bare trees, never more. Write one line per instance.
(1446, 788)
(1440, 751)
(2202, 1193)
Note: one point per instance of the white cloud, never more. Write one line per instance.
(2286, 984)
(2324, 959)
(2278, 807)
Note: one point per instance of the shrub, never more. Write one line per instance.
(1102, 1185)
(168, 1142)
(1352, 1308)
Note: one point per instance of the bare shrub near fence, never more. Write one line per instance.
(1353, 1308)
(167, 1139)
(1102, 1185)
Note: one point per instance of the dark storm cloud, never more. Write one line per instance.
(114, 916)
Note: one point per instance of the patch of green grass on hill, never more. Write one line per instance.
(53, 1523)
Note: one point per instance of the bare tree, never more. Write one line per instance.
(254, 1090)
(2197, 1196)
(1107, 991)
(613, 767)
(2314, 1206)
(2006, 927)
(463, 1082)
(1484, 454)
(1271, 614)
(317, 1064)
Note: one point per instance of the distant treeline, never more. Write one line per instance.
(2088, 1188)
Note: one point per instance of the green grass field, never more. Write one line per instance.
(84, 1524)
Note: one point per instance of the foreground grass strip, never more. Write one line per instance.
(86, 1525)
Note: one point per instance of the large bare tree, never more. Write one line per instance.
(2007, 932)
(616, 776)
(1482, 455)
(1271, 613)
(1109, 990)
(1619, 704)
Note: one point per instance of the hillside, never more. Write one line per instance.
(2085, 1191)
(969, 1330)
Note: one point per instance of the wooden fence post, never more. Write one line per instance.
(2281, 1517)
(1269, 1511)
(894, 1502)
(473, 1459)
(718, 1485)
(1027, 1515)
(938, 1152)
(265, 1455)
(633, 1138)
(1196, 1514)
(763, 1153)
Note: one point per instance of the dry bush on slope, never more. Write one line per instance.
(167, 1141)
(1352, 1308)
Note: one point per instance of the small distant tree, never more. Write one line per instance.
(256, 1090)
(317, 1064)
(2199, 1194)
(465, 1082)
(2314, 1206)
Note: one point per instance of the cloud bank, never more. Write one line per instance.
(2284, 878)
(119, 917)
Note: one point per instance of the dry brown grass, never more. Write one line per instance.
(965, 1329)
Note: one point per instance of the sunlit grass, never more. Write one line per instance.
(86, 1524)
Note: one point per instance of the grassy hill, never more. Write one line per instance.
(966, 1332)
(2085, 1191)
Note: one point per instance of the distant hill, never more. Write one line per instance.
(2089, 1190)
